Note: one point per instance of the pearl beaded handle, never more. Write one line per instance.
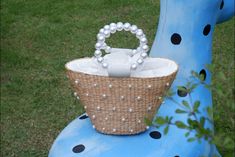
(111, 29)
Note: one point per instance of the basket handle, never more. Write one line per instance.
(111, 29)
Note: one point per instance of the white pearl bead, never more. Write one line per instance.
(114, 130)
(133, 52)
(114, 108)
(101, 31)
(106, 27)
(134, 28)
(139, 121)
(140, 61)
(143, 40)
(104, 65)
(138, 49)
(147, 127)
(122, 97)
(110, 86)
(95, 85)
(108, 49)
(93, 116)
(106, 118)
(133, 66)
(113, 29)
(127, 26)
(98, 45)
(130, 110)
(145, 48)
(119, 26)
(107, 33)
(75, 94)
(138, 98)
(98, 53)
(113, 25)
(144, 55)
(104, 45)
(78, 97)
(98, 107)
(149, 86)
(87, 94)
(100, 59)
(103, 129)
(167, 84)
(101, 38)
(131, 130)
(85, 107)
(77, 81)
(149, 108)
(159, 98)
(130, 86)
(93, 126)
(139, 33)
(123, 119)
(104, 95)
(99, 34)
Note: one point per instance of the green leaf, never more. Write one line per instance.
(196, 106)
(147, 121)
(202, 121)
(180, 125)
(191, 139)
(180, 111)
(187, 134)
(210, 112)
(186, 104)
(160, 120)
(166, 129)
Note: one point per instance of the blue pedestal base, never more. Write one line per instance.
(79, 139)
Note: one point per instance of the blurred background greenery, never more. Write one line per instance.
(39, 37)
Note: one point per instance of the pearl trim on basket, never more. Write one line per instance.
(107, 30)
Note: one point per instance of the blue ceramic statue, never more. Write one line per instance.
(184, 35)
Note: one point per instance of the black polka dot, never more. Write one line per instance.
(182, 93)
(79, 148)
(155, 134)
(221, 5)
(203, 74)
(83, 117)
(176, 39)
(207, 30)
(177, 156)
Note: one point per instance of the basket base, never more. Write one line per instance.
(79, 139)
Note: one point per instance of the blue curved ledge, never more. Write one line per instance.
(151, 143)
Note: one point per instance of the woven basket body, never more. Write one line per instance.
(119, 105)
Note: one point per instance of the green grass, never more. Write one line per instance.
(39, 37)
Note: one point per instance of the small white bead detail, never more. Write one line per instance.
(167, 84)
(93, 126)
(103, 129)
(123, 119)
(149, 86)
(149, 108)
(138, 98)
(130, 86)
(139, 121)
(93, 116)
(98, 107)
(75, 94)
(114, 130)
(130, 110)
(87, 94)
(104, 95)
(114, 108)
(106, 118)
(131, 130)
(85, 107)
(147, 127)
(122, 97)
(159, 98)
(77, 81)
(110, 86)
(78, 97)
(95, 85)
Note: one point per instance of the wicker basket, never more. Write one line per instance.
(118, 105)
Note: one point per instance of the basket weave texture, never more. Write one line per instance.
(119, 105)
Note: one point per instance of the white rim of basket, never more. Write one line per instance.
(112, 28)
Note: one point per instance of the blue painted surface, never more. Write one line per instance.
(188, 19)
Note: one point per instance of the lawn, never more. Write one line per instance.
(39, 37)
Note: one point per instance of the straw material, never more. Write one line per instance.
(119, 105)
